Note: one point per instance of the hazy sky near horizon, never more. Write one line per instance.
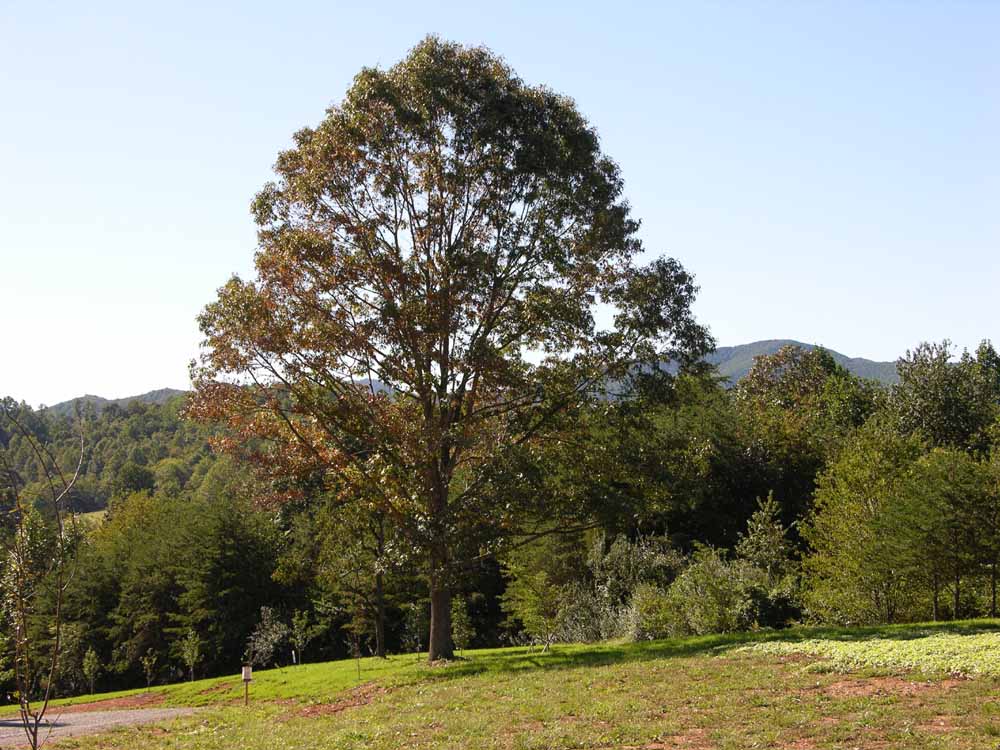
(830, 172)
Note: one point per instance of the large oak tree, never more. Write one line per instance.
(446, 269)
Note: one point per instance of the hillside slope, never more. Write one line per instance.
(740, 691)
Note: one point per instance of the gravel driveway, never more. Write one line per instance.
(88, 722)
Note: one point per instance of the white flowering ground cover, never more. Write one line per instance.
(925, 651)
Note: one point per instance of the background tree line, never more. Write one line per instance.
(803, 493)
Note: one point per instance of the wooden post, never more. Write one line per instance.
(247, 677)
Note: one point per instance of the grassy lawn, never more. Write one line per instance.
(806, 688)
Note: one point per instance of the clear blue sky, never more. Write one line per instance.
(829, 171)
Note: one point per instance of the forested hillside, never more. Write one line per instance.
(144, 445)
(98, 403)
(734, 362)
(803, 494)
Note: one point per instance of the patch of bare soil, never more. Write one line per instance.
(143, 700)
(874, 686)
(359, 696)
(802, 743)
(222, 687)
(940, 725)
(692, 739)
(795, 657)
(871, 687)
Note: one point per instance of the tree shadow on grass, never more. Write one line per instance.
(571, 656)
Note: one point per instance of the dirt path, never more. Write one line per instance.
(86, 722)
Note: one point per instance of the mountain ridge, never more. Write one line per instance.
(733, 362)
(158, 396)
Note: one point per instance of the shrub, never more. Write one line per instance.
(626, 564)
(715, 595)
(149, 667)
(191, 651)
(710, 596)
(538, 575)
(654, 614)
(587, 614)
(532, 601)
(600, 607)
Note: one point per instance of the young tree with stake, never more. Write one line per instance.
(38, 552)
(148, 662)
(91, 667)
(191, 651)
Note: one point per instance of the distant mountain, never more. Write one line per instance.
(160, 396)
(735, 361)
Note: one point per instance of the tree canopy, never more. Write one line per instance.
(432, 261)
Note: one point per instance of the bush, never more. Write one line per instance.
(632, 588)
(627, 564)
(715, 595)
(654, 615)
(775, 603)
(416, 623)
(600, 607)
(710, 596)
(586, 614)
(538, 576)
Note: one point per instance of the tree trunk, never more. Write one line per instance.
(958, 578)
(937, 591)
(993, 589)
(379, 531)
(440, 645)
(379, 617)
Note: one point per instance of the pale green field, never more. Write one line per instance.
(924, 651)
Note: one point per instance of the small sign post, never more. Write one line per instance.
(247, 677)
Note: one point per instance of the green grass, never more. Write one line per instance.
(312, 683)
(306, 682)
(734, 691)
